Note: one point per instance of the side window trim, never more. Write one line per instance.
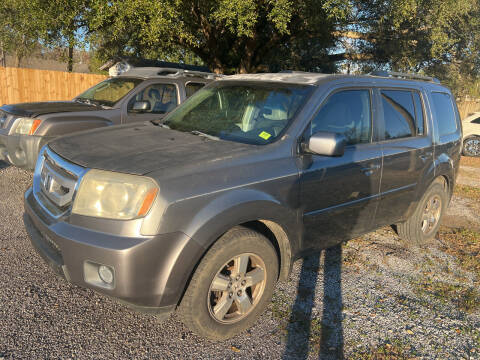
(305, 133)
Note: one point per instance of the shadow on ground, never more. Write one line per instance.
(308, 334)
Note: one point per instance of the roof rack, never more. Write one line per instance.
(404, 76)
(168, 71)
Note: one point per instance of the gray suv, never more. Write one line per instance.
(206, 211)
(137, 95)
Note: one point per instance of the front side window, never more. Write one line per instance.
(109, 92)
(446, 119)
(254, 113)
(346, 112)
(161, 97)
(400, 114)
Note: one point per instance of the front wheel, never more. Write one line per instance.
(232, 285)
(424, 223)
(471, 146)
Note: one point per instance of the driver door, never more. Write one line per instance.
(161, 99)
(340, 194)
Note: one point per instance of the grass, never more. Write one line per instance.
(467, 191)
(465, 298)
(395, 349)
(464, 245)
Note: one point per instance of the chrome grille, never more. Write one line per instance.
(55, 182)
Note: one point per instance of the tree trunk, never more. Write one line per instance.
(70, 56)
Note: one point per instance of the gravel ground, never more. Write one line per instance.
(372, 298)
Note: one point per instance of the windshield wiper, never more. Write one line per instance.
(199, 133)
(157, 123)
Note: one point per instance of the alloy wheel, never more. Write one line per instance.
(237, 288)
(431, 214)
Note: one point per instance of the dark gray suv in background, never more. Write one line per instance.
(206, 211)
(140, 94)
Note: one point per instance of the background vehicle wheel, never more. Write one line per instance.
(471, 146)
(422, 226)
(232, 285)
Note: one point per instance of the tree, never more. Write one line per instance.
(22, 24)
(229, 36)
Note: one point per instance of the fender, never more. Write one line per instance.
(236, 207)
(223, 213)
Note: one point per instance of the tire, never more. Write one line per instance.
(471, 146)
(423, 224)
(213, 309)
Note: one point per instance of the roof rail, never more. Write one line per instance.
(168, 71)
(404, 76)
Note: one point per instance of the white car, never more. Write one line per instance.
(471, 135)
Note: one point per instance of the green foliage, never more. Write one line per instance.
(22, 23)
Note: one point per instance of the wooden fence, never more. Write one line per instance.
(466, 107)
(25, 85)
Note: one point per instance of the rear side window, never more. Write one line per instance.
(476, 121)
(191, 88)
(346, 112)
(402, 113)
(446, 120)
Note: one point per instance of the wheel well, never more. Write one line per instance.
(279, 240)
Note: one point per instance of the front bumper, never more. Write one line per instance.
(150, 272)
(21, 150)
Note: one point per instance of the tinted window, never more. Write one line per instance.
(192, 88)
(346, 112)
(398, 114)
(476, 121)
(445, 113)
(162, 98)
(419, 113)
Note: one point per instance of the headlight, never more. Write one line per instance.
(27, 126)
(114, 195)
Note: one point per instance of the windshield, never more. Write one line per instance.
(109, 92)
(250, 113)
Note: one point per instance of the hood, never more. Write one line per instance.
(47, 107)
(142, 148)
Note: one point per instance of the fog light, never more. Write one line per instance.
(105, 273)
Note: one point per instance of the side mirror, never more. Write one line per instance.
(327, 144)
(141, 106)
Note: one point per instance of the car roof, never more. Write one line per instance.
(307, 78)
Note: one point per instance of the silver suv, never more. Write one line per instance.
(137, 95)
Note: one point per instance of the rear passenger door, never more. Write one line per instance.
(407, 150)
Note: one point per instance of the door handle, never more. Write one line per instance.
(370, 170)
(426, 156)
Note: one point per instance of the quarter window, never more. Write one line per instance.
(402, 114)
(346, 112)
(446, 119)
(476, 121)
(191, 88)
(162, 98)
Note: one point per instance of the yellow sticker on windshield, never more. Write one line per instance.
(265, 135)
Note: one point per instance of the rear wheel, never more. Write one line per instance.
(471, 146)
(232, 285)
(422, 226)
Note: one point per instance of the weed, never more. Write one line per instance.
(466, 191)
